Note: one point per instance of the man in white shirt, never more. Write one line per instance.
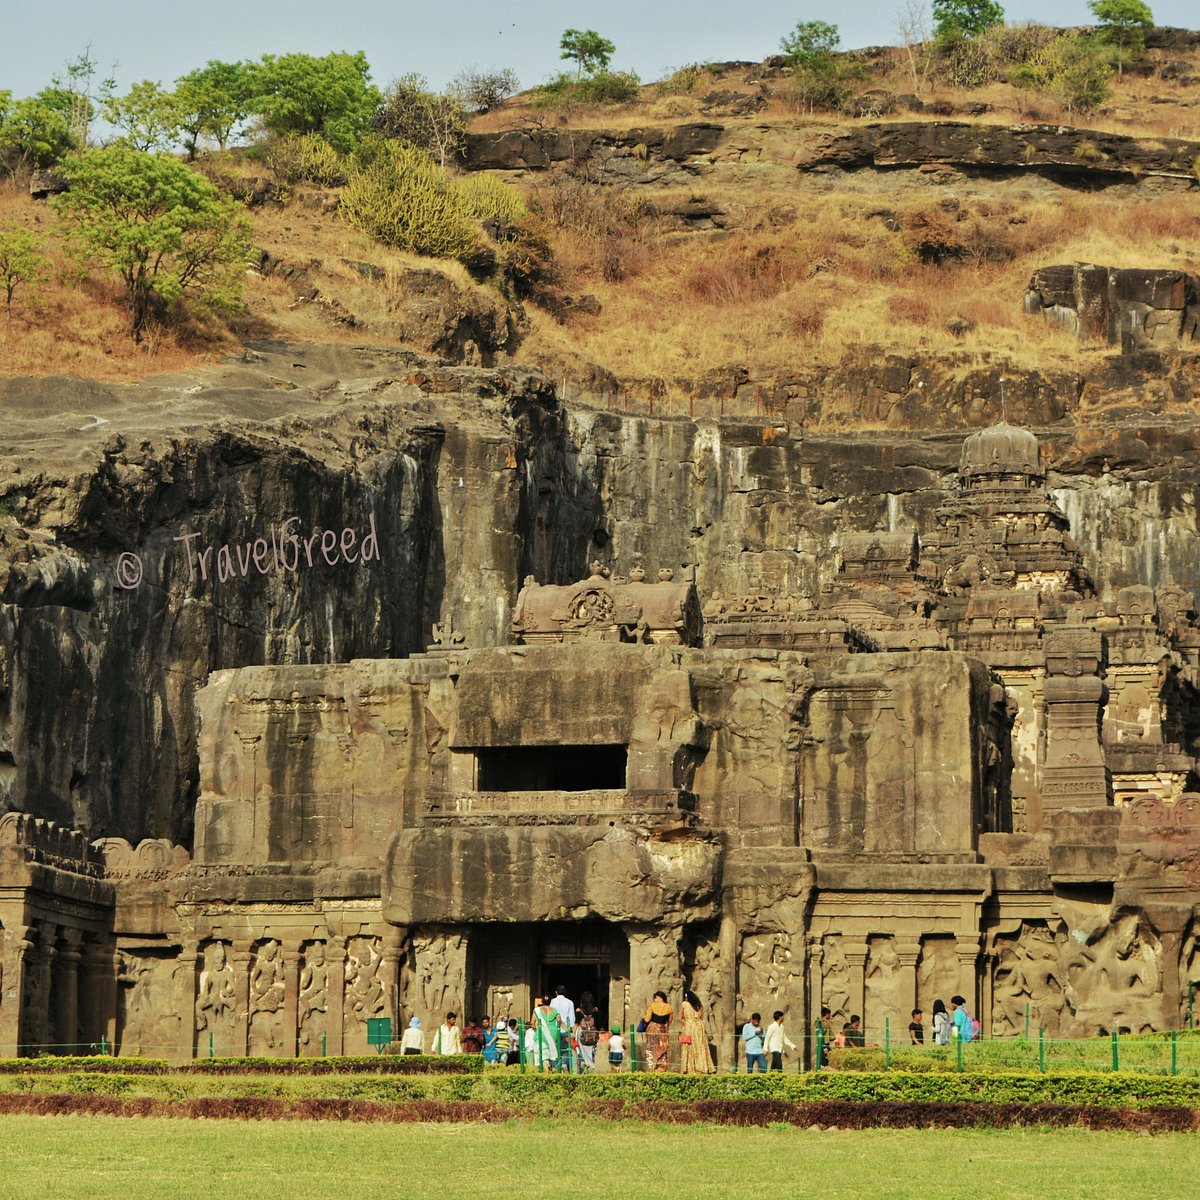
(565, 1009)
(776, 1043)
(448, 1039)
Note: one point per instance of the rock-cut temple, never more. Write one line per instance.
(954, 769)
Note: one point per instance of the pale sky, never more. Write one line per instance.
(162, 39)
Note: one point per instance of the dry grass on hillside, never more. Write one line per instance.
(838, 276)
(1140, 105)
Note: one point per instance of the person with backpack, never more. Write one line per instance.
(587, 1038)
(695, 1057)
(965, 1026)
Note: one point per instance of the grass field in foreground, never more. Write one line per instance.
(98, 1157)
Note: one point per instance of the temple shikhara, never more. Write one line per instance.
(948, 766)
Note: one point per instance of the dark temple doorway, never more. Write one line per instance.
(511, 964)
(577, 958)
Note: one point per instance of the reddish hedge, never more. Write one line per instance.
(840, 1114)
(377, 1064)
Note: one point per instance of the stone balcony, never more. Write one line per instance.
(592, 807)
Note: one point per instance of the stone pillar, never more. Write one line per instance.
(65, 1015)
(856, 959)
(335, 956)
(966, 946)
(39, 974)
(240, 960)
(291, 1001)
(724, 1014)
(1074, 774)
(185, 982)
(908, 953)
(392, 952)
(19, 942)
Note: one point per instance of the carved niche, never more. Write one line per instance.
(147, 1010)
(313, 1005)
(364, 996)
(1027, 972)
(267, 989)
(215, 992)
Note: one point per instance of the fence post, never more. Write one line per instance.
(1042, 1051)
(521, 1044)
(887, 1043)
(1174, 1051)
(820, 1049)
(633, 1049)
(1116, 1053)
(103, 1045)
(1191, 994)
(1027, 1020)
(210, 1044)
(958, 1045)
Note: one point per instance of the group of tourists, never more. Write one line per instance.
(955, 1025)
(559, 1032)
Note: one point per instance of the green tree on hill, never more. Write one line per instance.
(147, 115)
(159, 226)
(965, 18)
(34, 132)
(1123, 24)
(590, 52)
(214, 101)
(21, 261)
(332, 96)
(811, 44)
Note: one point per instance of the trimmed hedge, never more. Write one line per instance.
(557, 1095)
(822, 1114)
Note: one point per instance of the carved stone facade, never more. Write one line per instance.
(955, 769)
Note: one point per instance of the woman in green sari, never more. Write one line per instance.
(546, 1036)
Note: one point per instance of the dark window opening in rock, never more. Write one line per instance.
(550, 768)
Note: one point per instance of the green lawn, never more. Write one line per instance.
(99, 1157)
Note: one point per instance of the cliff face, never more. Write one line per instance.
(252, 494)
(299, 468)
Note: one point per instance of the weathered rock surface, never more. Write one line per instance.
(1135, 309)
(1053, 149)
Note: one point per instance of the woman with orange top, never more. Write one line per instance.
(658, 1038)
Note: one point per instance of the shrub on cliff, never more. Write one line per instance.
(403, 198)
(1075, 69)
(164, 230)
(491, 199)
(305, 158)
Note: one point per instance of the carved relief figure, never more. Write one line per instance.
(215, 993)
(1114, 979)
(885, 996)
(314, 996)
(147, 1020)
(364, 991)
(768, 971)
(266, 998)
(1027, 972)
(835, 979)
(438, 973)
